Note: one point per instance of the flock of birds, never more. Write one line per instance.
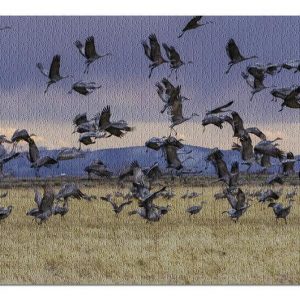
(266, 153)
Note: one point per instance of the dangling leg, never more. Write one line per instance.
(171, 73)
(86, 71)
(230, 66)
(48, 85)
(151, 70)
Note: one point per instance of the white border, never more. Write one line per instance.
(150, 7)
(148, 292)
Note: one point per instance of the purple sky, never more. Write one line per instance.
(124, 75)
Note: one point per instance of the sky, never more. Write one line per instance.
(124, 76)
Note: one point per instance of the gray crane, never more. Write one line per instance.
(280, 211)
(69, 154)
(274, 178)
(44, 203)
(34, 157)
(84, 88)
(290, 97)
(167, 92)
(194, 23)
(174, 59)
(97, 168)
(230, 178)
(61, 210)
(89, 138)
(234, 55)
(238, 204)
(71, 190)
(153, 53)
(268, 195)
(117, 129)
(193, 210)
(177, 117)
(292, 65)
(53, 74)
(288, 164)
(269, 148)
(116, 208)
(5, 212)
(88, 51)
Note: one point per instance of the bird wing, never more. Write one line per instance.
(146, 49)
(232, 50)
(241, 200)
(231, 199)
(257, 132)
(155, 52)
(80, 47)
(234, 168)
(12, 156)
(290, 155)
(237, 122)
(154, 171)
(149, 199)
(37, 198)
(90, 50)
(54, 68)
(80, 119)
(168, 85)
(42, 69)
(34, 153)
(167, 50)
(47, 160)
(176, 110)
(219, 109)
(192, 23)
(172, 156)
(256, 72)
(160, 91)
(174, 55)
(48, 199)
(124, 204)
(222, 170)
(105, 116)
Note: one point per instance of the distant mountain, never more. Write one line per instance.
(118, 159)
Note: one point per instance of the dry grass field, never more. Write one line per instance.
(93, 246)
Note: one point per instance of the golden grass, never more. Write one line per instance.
(92, 246)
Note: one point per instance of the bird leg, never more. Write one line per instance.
(48, 85)
(171, 73)
(86, 70)
(151, 70)
(230, 66)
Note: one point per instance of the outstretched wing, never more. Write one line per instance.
(105, 116)
(55, 65)
(90, 50)
(124, 204)
(241, 200)
(146, 49)
(37, 198)
(238, 123)
(42, 69)
(257, 132)
(192, 23)
(80, 47)
(155, 52)
(232, 50)
(219, 109)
